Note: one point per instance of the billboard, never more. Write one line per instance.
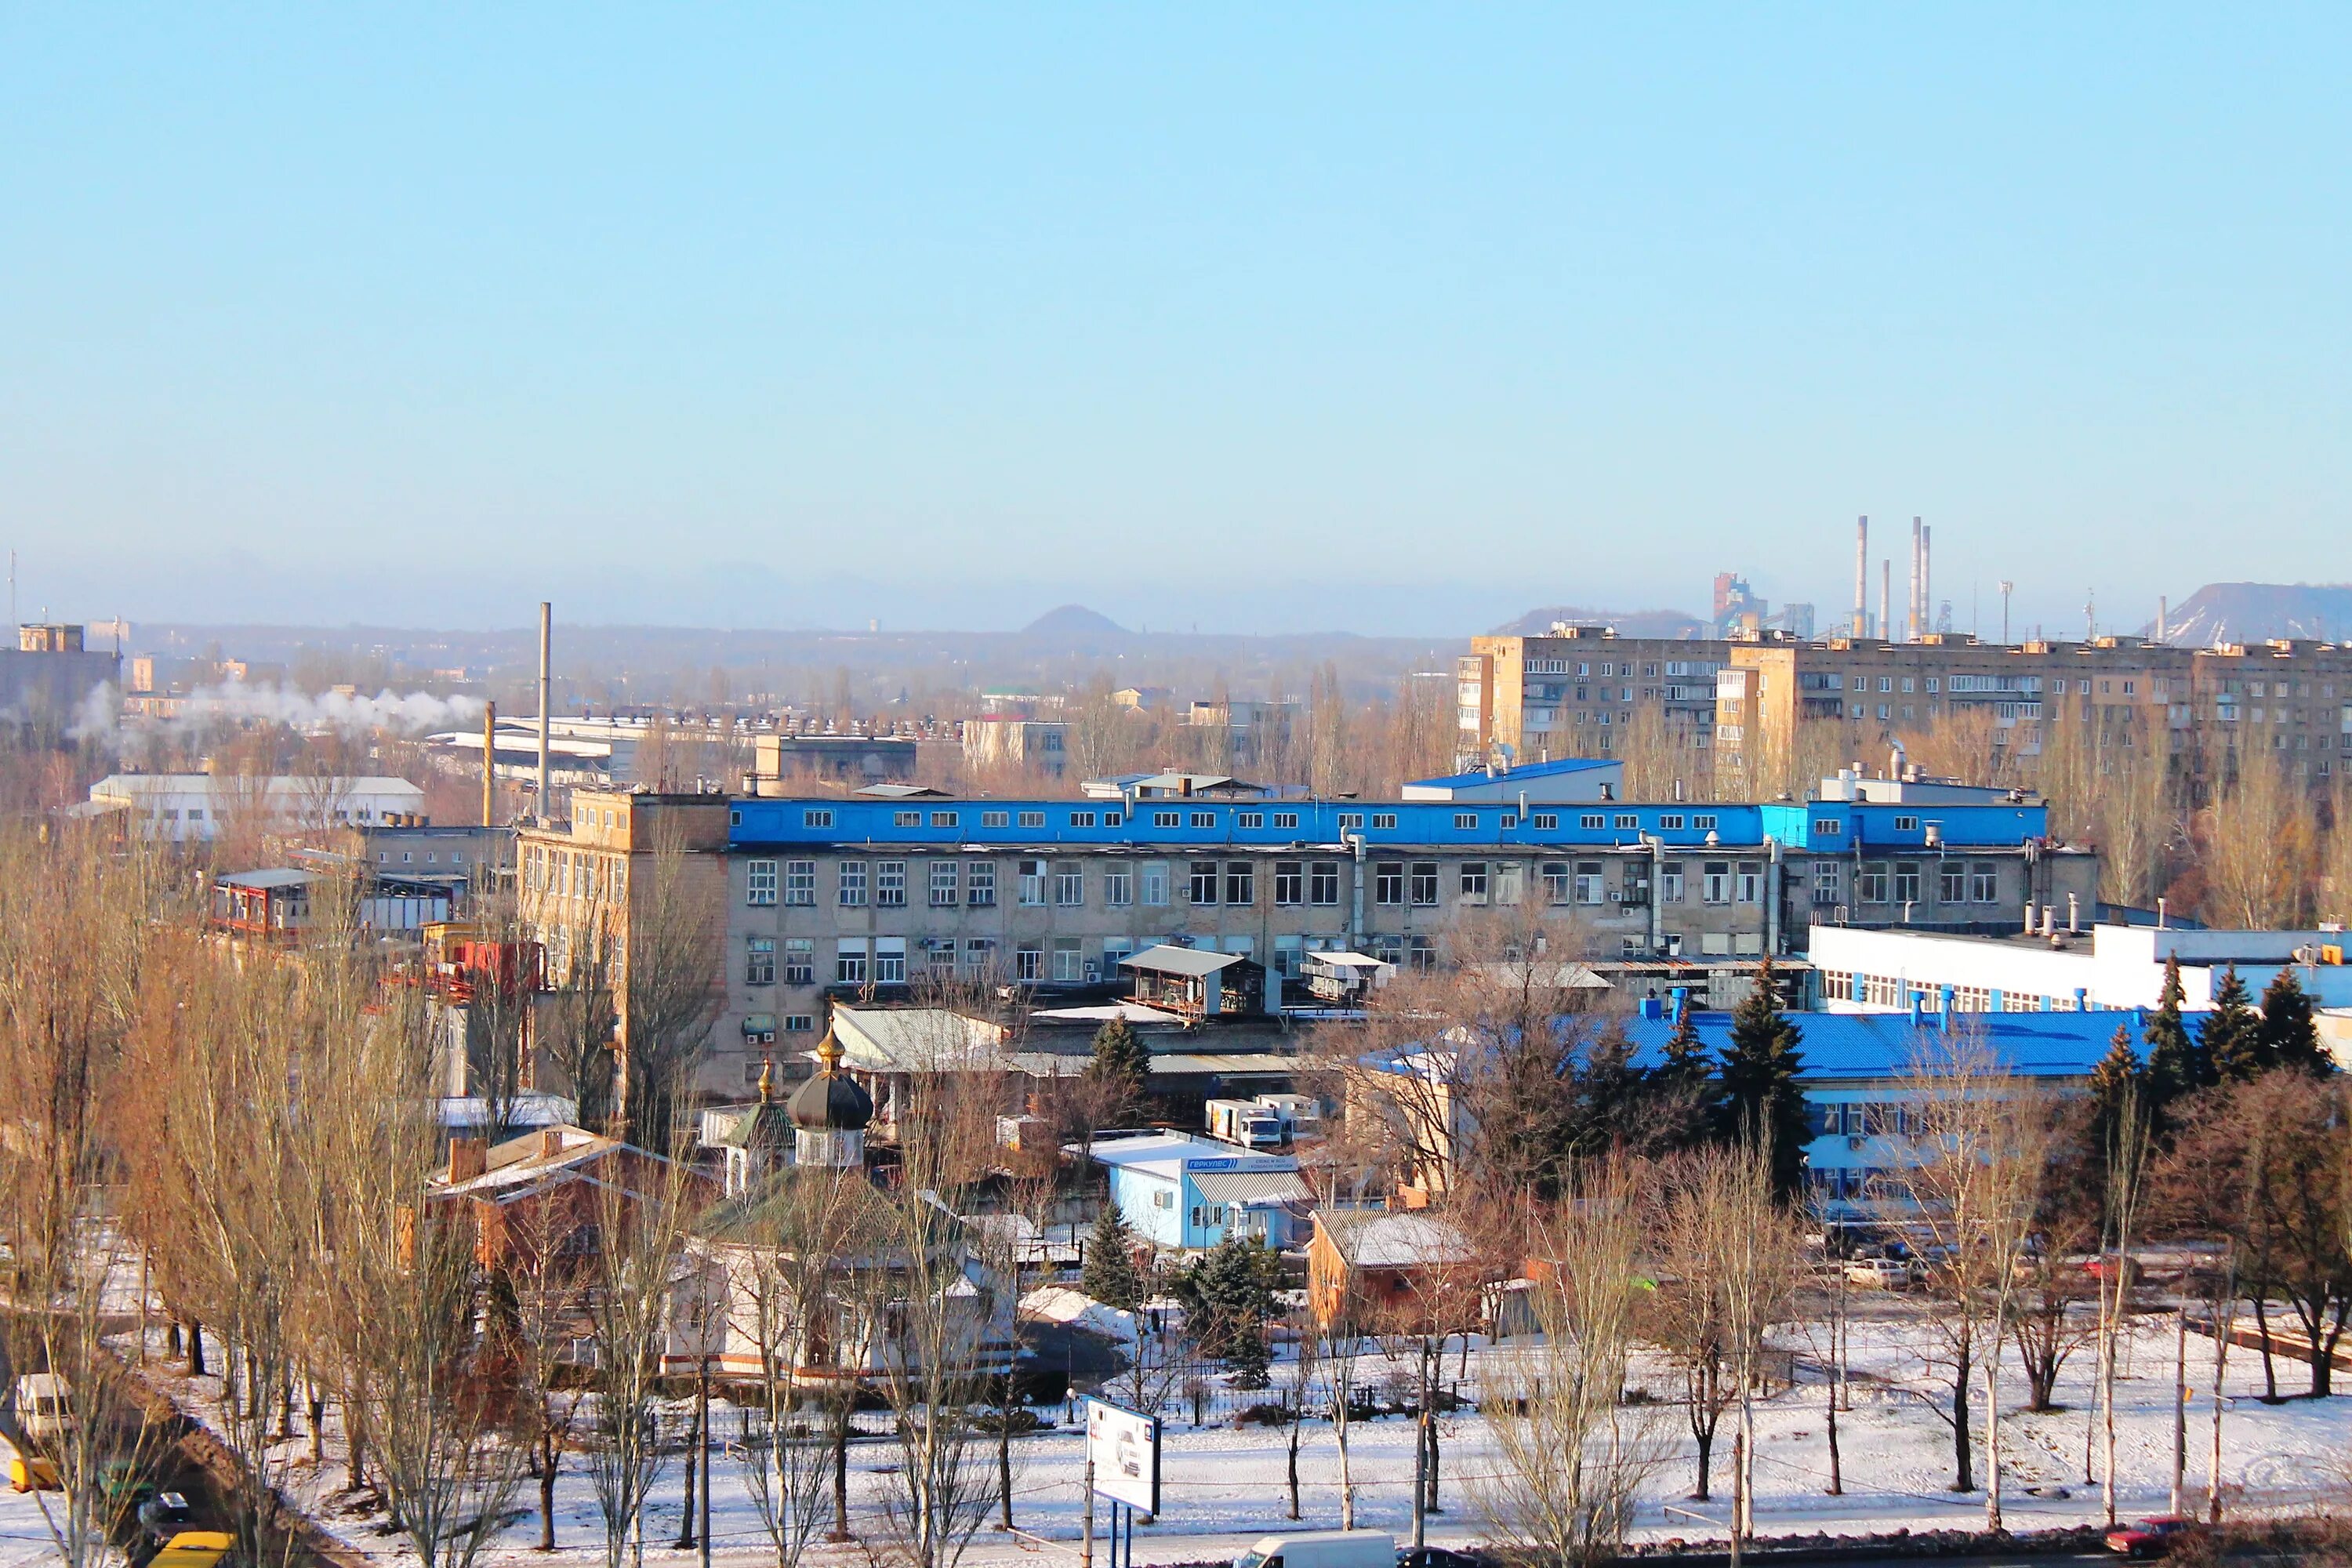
(1123, 1449)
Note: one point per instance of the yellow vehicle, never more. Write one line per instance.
(194, 1549)
(30, 1472)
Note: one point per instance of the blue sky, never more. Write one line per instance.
(1258, 318)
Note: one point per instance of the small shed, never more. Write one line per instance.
(1195, 983)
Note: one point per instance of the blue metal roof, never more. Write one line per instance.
(1886, 1045)
(1836, 827)
(1550, 769)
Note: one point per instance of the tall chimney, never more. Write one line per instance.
(1927, 578)
(2163, 613)
(1911, 628)
(489, 765)
(1862, 577)
(1886, 597)
(546, 623)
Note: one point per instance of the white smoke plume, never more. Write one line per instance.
(351, 713)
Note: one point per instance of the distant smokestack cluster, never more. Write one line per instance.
(1862, 577)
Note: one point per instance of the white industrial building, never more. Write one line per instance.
(2107, 966)
(183, 807)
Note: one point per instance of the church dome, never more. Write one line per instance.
(831, 1101)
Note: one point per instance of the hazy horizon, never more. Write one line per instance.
(1397, 323)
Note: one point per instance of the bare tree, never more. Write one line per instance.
(1571, 1454)
(640, 1226)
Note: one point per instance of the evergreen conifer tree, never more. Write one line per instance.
(1121, 1063)
(1229, 1296)
(2289, 1037)
(1760, 1097)
(2115, 1084)
(1109, 1275)
(1682, 1087)
(2232, 1033)
(2176, 1065)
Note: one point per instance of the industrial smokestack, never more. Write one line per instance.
(489, 765)
(1862, 577)
(1927, 578)
(1911, 620)
(2163, 613)
(1886, 597)
(546, 624)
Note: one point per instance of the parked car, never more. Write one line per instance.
(166, 1515)
(1435, 1557)
(2150, 1537)
(1878, 1273)
(1322, 1549)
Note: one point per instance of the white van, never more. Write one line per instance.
(44, 1406)
(1322, 1549)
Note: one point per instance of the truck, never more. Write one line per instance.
(1322, 1549)
(1247, 1124)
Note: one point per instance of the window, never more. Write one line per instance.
(1906, 683)
(1351, 821)
(996, 819)
(1289, 882)
(943, 819)
(1082, 819)
(1984, 883)
(1555, 885)
(1032, 882)
(943, 884)
(1906, 881)
(1285, 819)
(1155, 883)
(979, 955)
(817, 818)
(1069, 960)
(1906, 825)
(1670, 881)
(760, 961)
(1112, 819)
(1752, 881)
(889, 961)
(1704, 822)
(852, 883)
(1425, 884)
(1384, 819)
(1029, 963)
(1887, 683)
(1167, 819)
(1069, 884)
(1474, 882)
(1249, 819)
(1715, 882)
(1671, 823)
(849, 962)
(979, 885)
(1828, 827)
(1119, 886)
(1205, 819)
(1323, 883)
(1545, 821)
(1466, 819)
(1952, 882)
(1932, 682)
(1388, 882)
(1204, 881)
(906, 819)
(1593, 819)
(890, 884)
(1828, 879)
(1241, 882)
(1869, 884)
(1033, 819)
(759, 882)
(1626, 820)
(1587, 882)
(800, 1023)
(800, 961)
(1510, 820)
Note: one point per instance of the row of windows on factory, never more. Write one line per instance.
(574, 874)
(1067, 960)
(1064, 884)
(1585, 670)
(1892, 992)
(1900, 882)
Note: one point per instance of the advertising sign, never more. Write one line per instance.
(1124, 1448)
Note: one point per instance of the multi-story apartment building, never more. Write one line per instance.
(1572, 693)
(841, 897)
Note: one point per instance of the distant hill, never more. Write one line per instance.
(1073, 621)
(1628, 624)
(2255, 612)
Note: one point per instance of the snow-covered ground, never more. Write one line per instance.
(1223, 1485)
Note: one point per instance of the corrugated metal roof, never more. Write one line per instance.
(1195, 961)
(1506, 775)
(1253, 1187)
(1887, 1045)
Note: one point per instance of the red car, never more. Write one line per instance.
(2149, 1537)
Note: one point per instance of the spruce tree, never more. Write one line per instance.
(2176, 1066)
(1123, 1063)
(2289, 1037)
(2115, 1088)
(1683, 1087)
(2232, 1033)
(1109, 1275)
(1760, 1095)
(1228, 1295)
